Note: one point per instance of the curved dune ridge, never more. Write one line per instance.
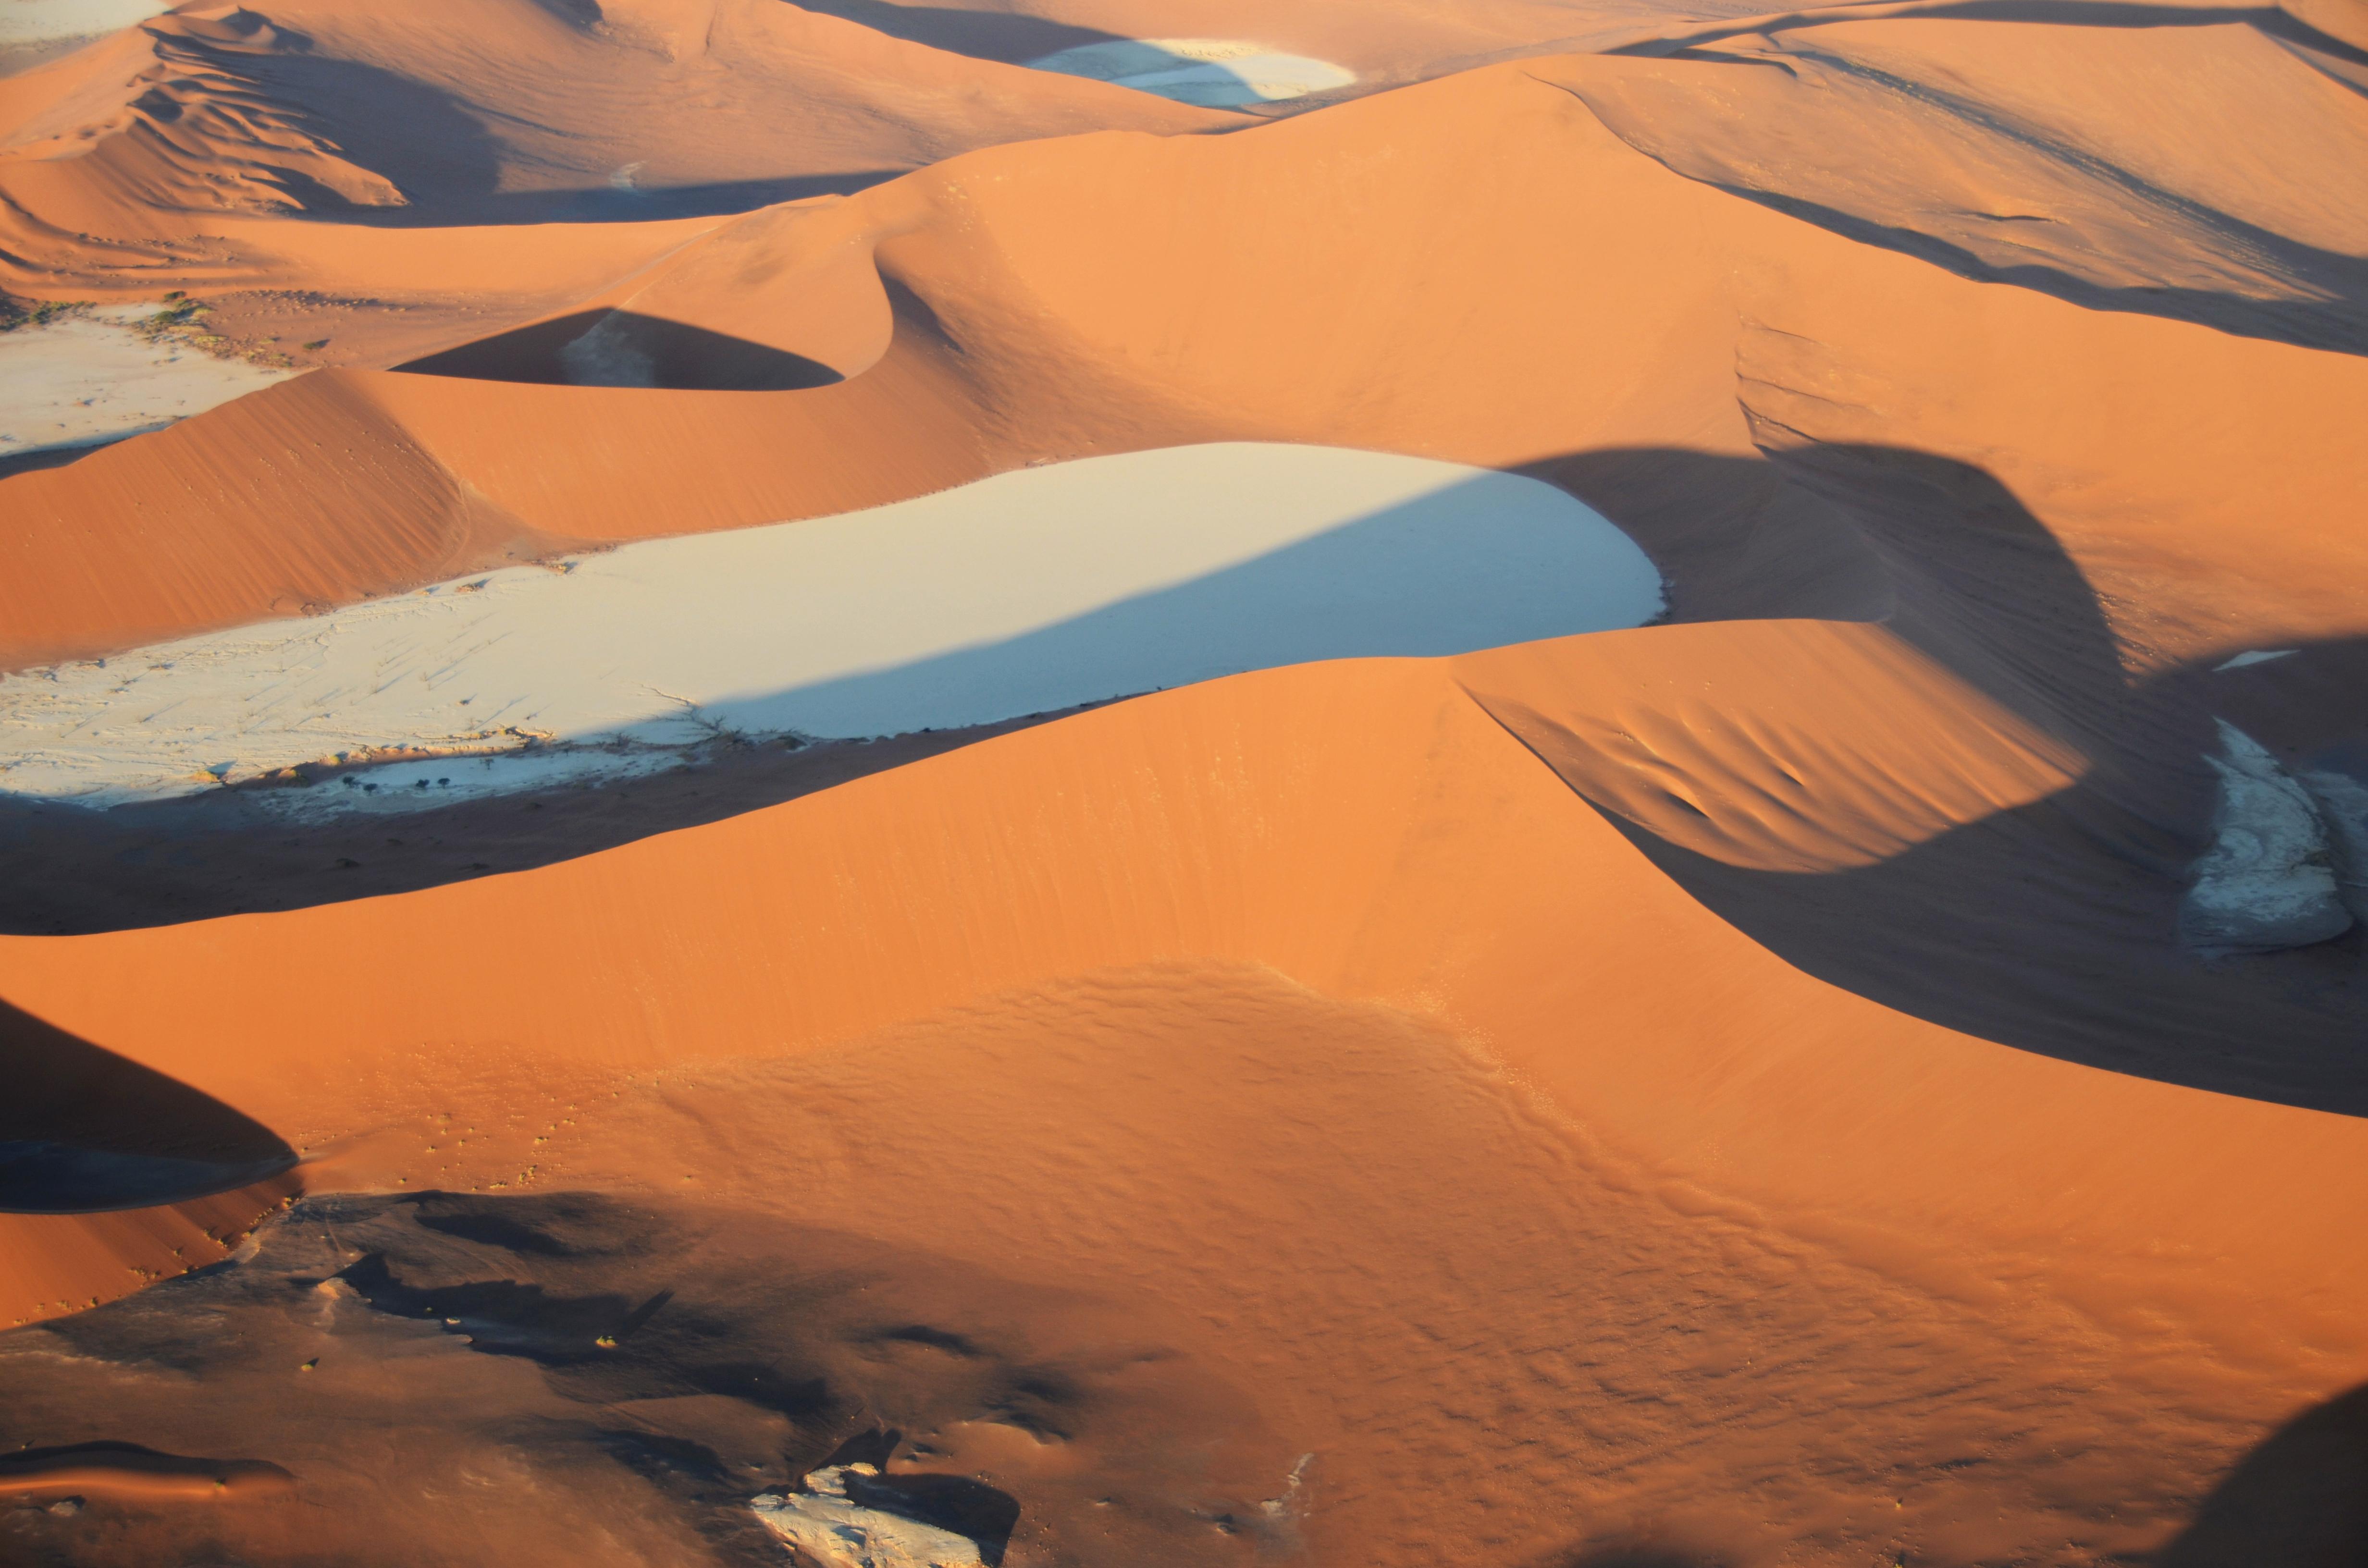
(1035, 590)
(1724, 583)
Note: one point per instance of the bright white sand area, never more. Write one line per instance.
(39, 21)
(1026, 593)
(1213, 73)
(81, 380)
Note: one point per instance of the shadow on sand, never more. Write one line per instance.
(624, 348)
(84, 1129)
(2051, 927)
(1011, 38)
(2300, 1500)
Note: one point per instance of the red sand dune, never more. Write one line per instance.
(1721, 1092)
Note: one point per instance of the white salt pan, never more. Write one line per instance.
(82, 380)
(1026, 593)
(1211, 72)
(824, 1527)
(37, 21)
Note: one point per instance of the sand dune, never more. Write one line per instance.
(1303, 823)
(967, 383)
(205, 151)
(1524, 1089)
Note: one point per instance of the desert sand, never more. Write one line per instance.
(1736, 939)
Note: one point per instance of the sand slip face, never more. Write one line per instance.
(1033, 591)
(83, 380)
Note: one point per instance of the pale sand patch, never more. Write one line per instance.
(81, 380)
(1211, 73)
(1026, 593)
(826, 1526)
(39, 21)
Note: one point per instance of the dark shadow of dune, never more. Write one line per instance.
(1012, 38)
(52, 457)
(957, 1503)
(622, 348)
(2300, 1500)
(2034, 929)
(598, 204)
(2052, 13)
(1938, 550)
(84, 1130)
(2051, 927)
(68, 871)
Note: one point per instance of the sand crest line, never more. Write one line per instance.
(1026, 593)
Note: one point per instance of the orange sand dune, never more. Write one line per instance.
(1364, 830)
(1727, 1092)
(119, 159)
(1046, 327)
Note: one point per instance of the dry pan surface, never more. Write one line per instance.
(96, 376)
(1026, 593)
(1728, 1093)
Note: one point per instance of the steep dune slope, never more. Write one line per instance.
(159, 122)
